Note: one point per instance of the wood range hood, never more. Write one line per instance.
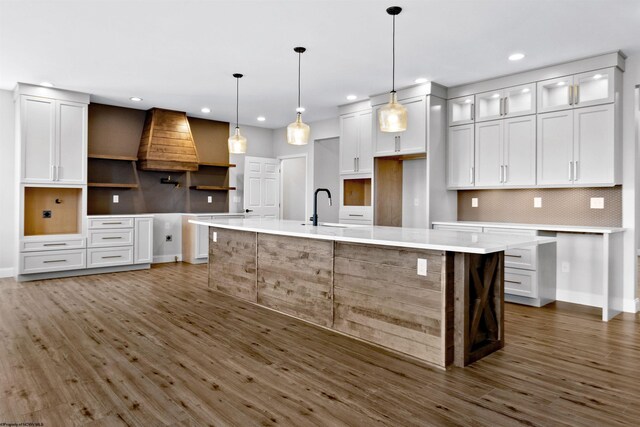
(166, 143)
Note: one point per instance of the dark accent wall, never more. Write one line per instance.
(116, 131)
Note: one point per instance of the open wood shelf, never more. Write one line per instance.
(218, 165)
(211, 188)
(111, 185)
(110, 157)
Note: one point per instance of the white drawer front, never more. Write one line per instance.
(43, 262)
(469, 228)
(107, 238)
(522, 258)
(110, 223)
(518, 231)
(51, 245)
(363, 214)
(521, 282)
(105, 257)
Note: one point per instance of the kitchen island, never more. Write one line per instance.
(435, 295)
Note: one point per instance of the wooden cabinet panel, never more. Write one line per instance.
(295, 276)
(232, 263)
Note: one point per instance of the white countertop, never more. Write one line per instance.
(222, 214)
(541, 227)
(419, 238)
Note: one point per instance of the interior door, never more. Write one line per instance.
(555, 148)
(489, 154)
(519, 151)
(262, 187)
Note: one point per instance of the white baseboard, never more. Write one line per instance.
(632, 306)
(158, 259)
(577, 297)
(6, 272)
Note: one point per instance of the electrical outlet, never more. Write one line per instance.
(474, 202)
(416, 202)
(422, 267)
(116, 198)
(215, 236)
(537, 202)
(209, 199)
(236, 199)
(46, 214)
(168, 238)
(474, 238)
(565, 267)
(597, 203)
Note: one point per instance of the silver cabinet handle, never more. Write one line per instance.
(513, 256)
(356, 214)
(575, 171)
(506, 106)
(399, 143)
(473, 111)
(570, 171)
(501, 179)
(53, 173)
(576, 94)
(512, 281)
(53, 244)
(471, 175)
(570, 94)
(112, 256)
(112, 238)
(357, 164)
(505, 174)
(111, 223)
(354, 164)
(54, 260)
(58, 173)
(501, 106)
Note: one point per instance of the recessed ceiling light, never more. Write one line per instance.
(135, 99)
(560, 84)
(352, 97)
(467, 101)
(261, 118)
(516, 56)
(496, 95)
(525, 90)
(421, 80)
(46, 84)
(300, 110)
(597, 76)
(206, 110)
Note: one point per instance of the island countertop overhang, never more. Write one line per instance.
(451, 241)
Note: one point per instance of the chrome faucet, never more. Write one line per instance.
(314, 218)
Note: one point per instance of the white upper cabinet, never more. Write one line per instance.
(511, 102)
(489, 105)
(53, 138)
(461, 110)
(460, 155)
(579, 90)
(37, 129)
(594, 146)
(411, 141)
(519, 151)
(488, 154)
(355, 143)
(555, 148)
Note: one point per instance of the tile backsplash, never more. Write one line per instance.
(559, 206)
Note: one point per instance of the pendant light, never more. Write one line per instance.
(237, 142)
(393, 116)
(298, 132)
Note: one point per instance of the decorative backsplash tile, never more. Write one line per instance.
(562, 206)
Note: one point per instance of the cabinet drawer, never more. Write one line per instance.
(522, 258)
(362, 214)
(521, 282)
(43, 262)
(110, 223)
(518, 231)
(51, 244)
(106, 238)
(469, 228)
(105, 257)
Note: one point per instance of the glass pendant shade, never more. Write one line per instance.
(298, 132)
(237, 143)
(393, 116)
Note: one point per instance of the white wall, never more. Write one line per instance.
(8, 234)
(293, 176)
(322, 129)
(259, 144)
(327, 175)
(414, 194)
(163, 225)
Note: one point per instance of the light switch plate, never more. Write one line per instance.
(236, 199)
(215, 236)
(209, 199)
(537, 202)
(422, 267)
(597, 203)
(116, 198)
(416, 202)
(474, 202)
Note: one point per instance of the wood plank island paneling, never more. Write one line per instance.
(232, 263)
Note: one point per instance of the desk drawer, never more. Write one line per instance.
(32, 245)
(526, 257)
(521, 282)
(110, 223)
(110, 237)
(44, 262)
(106, 257)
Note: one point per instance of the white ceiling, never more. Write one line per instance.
(181, 54)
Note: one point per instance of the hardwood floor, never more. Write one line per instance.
(158, 347)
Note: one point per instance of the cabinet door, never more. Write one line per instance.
(460, 156)
(520, 100)
(594, 88)
(488, 154)
(202, 239)
(488, 105)
(37, 117)
(519, 151)
(349, 127)
(143, 243)
(365, 149)
(71, 144)
(555, 94)
(555, 148)
(414, 139)
(385, 142)
(594, 148)
(461, 110)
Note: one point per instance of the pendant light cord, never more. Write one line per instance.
(299, 62)
(393, 61)
(237, 101)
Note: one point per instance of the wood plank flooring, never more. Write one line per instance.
(157, 347)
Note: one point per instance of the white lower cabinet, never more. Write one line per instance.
(107, 257)
(143, 241)
(50, 261)
(117, 241)
(519, 282)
